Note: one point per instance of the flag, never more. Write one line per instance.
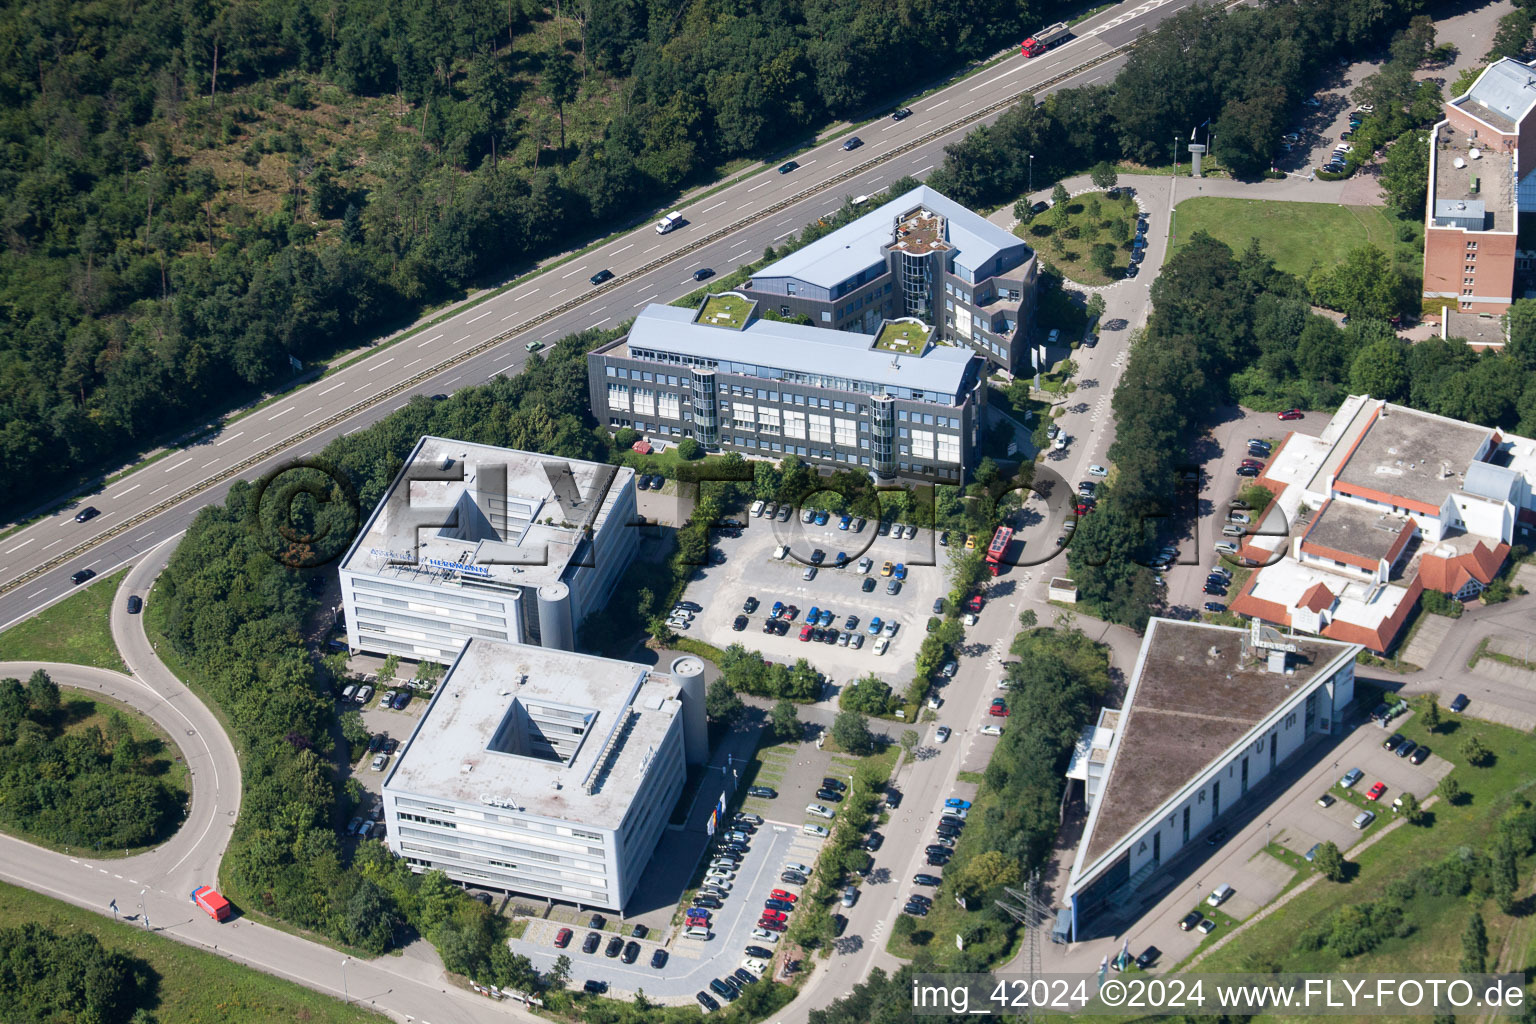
(1196, 128)
(1103, 969)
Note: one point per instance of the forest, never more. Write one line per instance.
(195, 193)
(82, 786)
(48, 977)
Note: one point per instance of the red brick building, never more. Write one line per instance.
(1480, 156)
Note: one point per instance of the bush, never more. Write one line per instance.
(689, 449)
(1437, 603)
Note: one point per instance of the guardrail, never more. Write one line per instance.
(565, 307)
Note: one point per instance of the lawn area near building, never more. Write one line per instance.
(1295, 235)
(185, 982)
(1423, 937)
(1093, 219)
(77, 630)
(903, 336)
(725, 310)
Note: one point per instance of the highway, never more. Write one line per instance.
(144, 513)
(157, 502)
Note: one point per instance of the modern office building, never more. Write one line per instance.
(919, 255)
(895, 403)
(1209, 714)
(544, 772)
(1404, 500)
(1480, 184)
(476, 541)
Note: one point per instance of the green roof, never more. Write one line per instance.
(725, 311)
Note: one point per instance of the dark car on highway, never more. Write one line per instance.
(902, 114)
(703, 274)
(787, 166)
(601, 276)
(853, 142)
(83, 575)
(86, 514)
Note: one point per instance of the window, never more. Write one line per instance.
(1471, 247)
(1468, 280)
(669, 406)
(794, 424)
(922, 444)
(826, 317)
(847, 432)
(645, 401)
(948, 447)
(821, 429)
(618, 397)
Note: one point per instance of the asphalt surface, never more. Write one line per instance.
(269, 438)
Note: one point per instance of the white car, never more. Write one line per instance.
(890, 629)
(1238, 517)
(969, 618)
(764, 935)
(991, 730)
(942, 734)
(807, 514)
(379, 761)
(1097, 470)
(881, 645)
(935, 702)
(780, 551)
(865, 564)
(1226, 547)
(1061, 442)
(818, 810)
(1343, 147)
(720, 874)
(756, 966)
(818, 831)
(757, 508)
(801, 868)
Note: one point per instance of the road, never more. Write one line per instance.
(158, 501)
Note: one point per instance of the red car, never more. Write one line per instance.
(1255, 463)
(772, 925)
(781, 894)
(1291, 414)
(805, 634)
(1376, 791)
(789, 612)
(974, 603)
(562, 938)
(999, 708)
(775, 915)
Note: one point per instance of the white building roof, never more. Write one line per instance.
(478, 740)
(766, 346)
(1506, 89)
(835, 257)
(516, 518)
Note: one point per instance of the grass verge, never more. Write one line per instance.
(1295, 235)
(77, 630)
(191, 987)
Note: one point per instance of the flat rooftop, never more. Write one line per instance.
(1356, 530)
(902, 336)
(772, 348)
(1193, 695)
(515, 518)
(1287, 583)
(1502, 95)
(1414, 455)
(1492, 206)
(478, 741)
(920, 231)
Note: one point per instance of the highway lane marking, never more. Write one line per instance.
(52, 543)
(1095, 78)
(648, 298)
(651, 249)
(925, 170)
(157, 490)
(207, 464)
(784, 235)
(466, 337)
(281, 412)
(482, 316)
(615, 252)
(786, 220)
(178, 465)
(35, 593)
(509, 316)
(760, 184)
(602, 321)
(317, 412)
(23, 544)
(562, 291)
(939, 104)
(504, 369)
(738, 256)
(708, 208)
(429, 341)
(744, 205)
(410, 364)
(366, 384)
(385, 362)
(137, 486)
(333, 387)
(267, 434)
(218, 444)
(574, 270)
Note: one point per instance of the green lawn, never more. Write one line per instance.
(1430, 940)
(1068, 250)
(1294, 235)
(77, 630)
(193, 987)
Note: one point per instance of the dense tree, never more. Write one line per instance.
(46, 976)
(721, 703)
(1405, 173)
(1330, 863)
(785, 721)
(851, 732)
(1474, 945)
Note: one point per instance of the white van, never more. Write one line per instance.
(757, 507)
(669, 223)
(814, 830)
(1219, 895)
(696, 932)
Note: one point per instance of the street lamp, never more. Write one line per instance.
(344, 992)
(1031, 174)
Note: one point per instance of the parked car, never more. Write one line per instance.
(1460, 703)
(1351, 777)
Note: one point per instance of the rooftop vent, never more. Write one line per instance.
(1458, 163)
(466, 767)
(1474, 153)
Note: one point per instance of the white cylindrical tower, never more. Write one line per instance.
(689, 673)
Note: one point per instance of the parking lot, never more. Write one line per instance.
(690, 963)
(750, 569)
(388, 724)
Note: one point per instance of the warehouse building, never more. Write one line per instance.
(1209, 714)
(476, 541)
(545, 773)
(894, 403)
(919, 255)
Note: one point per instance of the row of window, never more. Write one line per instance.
(761, 372)
(436, 595)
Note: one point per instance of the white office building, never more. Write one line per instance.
(476, 541)
(1210, 713)
(544, 772)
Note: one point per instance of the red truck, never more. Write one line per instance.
(1045, 39)
(207, 897)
